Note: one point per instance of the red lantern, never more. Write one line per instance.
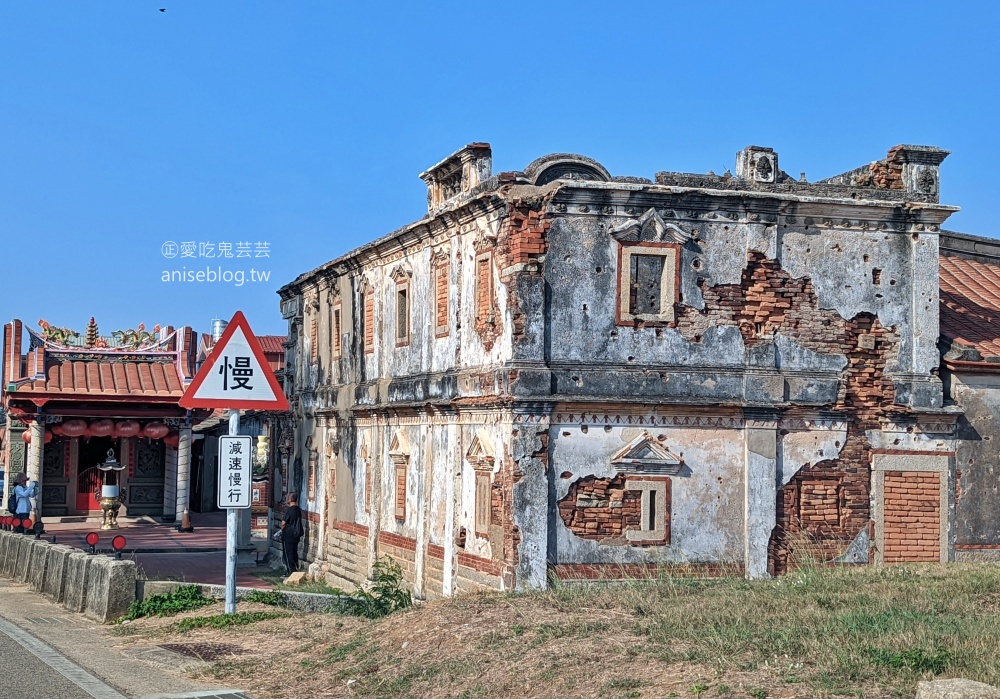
(155, 430)
(172, 440)
(57, 429)
(74, 428)
(126, 428)
(48, 436)
(26, 436)
(101, 428)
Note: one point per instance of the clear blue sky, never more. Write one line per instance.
(304, 124)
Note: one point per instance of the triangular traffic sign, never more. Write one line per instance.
(236, 374)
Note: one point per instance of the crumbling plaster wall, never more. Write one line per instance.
(977, 496)
(831, 310)
(706, 496)
(858, 261)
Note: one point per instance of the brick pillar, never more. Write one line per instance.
(183, 473)
(760, 477)
(36, 455)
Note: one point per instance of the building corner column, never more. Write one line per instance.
(183, 473)
(760, 478)
(36, 457)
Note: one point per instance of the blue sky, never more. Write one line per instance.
(304, 124)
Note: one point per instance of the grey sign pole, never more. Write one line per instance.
(232, 527)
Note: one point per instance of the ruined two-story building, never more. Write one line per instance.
(558, 372)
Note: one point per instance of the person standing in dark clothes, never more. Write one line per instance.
(291, 532)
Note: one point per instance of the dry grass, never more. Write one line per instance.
(815, 633)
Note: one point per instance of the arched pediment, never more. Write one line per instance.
(566, 166)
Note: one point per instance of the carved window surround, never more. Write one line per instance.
(487, 314)
(654, 524)
(441, 289)
(368, 316)
(482, 464)
(402, 299)
(400, 460)
(334, 320)
(645, 243)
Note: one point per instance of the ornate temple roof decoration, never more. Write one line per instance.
(52, 335)
(129, 340)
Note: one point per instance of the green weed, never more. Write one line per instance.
(221, 621)
(271, 597)
(183, 599)
(385, 596)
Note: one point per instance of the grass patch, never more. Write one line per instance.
(831, 628)
(183, 599)
(221, 621)
(276, 579)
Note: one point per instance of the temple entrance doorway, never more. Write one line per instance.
(93, 451)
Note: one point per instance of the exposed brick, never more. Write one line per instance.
(827, 503)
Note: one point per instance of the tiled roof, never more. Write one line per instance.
(72, 376)
(272, 344)
(970, 304)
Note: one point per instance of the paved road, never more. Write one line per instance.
(47, 653)
(23, 676)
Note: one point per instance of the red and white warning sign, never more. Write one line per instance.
(236, 374)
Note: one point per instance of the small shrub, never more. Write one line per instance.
(182, 599)
(221, 621)
(271, 597)
(385, 596)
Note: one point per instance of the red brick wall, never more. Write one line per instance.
(400, 492)
(335, 332)
(912, 517)
(442, 322)
(618, 571)
(612, 509)
(369, 302)
(528, 228)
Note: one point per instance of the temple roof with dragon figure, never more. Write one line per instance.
(64, 371)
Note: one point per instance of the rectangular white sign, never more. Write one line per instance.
(235, 470)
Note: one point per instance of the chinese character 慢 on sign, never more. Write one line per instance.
(239, 372)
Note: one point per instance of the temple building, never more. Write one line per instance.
(560, 373)
(71, 398)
